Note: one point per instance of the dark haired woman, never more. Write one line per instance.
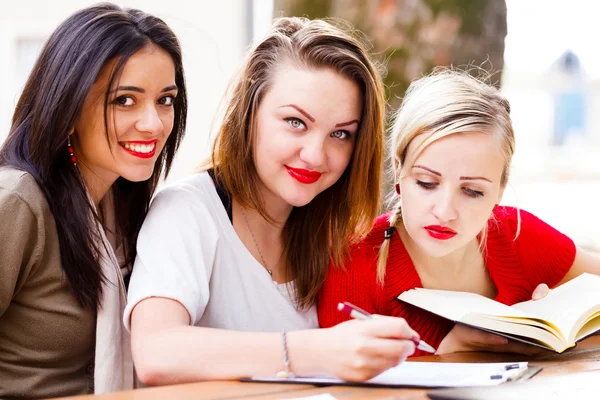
(104, 104)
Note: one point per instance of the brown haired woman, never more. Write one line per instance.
(230, 260)
(97, 125)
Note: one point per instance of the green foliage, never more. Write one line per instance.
(308, 8)
(395, 80)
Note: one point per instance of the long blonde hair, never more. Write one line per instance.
(343, 213)
(444, 103)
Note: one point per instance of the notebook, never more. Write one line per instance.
(568, 314)
(426, 375)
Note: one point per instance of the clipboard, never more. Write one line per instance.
(426, 375)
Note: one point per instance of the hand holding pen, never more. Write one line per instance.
(358, 313)
(357, 350)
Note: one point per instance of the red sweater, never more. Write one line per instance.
(540, 254)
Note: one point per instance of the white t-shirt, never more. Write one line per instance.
(188, 251)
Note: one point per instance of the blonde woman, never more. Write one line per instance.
(230, 260)
(452, 144)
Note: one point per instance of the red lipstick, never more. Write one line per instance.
(303, 175)
(440, 232)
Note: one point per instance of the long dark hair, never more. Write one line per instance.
(46, 112)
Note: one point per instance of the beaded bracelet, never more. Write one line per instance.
(286, 373)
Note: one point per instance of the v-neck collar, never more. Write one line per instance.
(500, 257)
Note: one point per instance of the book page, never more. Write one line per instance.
(455, 305)
(517, 328)
(568, 305)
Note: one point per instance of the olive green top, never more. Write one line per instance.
(47, 339)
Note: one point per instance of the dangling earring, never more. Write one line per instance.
(398, 188)
(71, 150)
(495, 206)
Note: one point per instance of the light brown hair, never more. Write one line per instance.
(446, 102)
(340, 215)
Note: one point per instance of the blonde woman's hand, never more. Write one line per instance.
(464, 338)
(361, 349)
(540, 292)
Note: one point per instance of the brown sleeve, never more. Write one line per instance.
(19, 245)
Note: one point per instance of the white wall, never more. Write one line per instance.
(561, 185)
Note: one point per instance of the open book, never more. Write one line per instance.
(557, 322)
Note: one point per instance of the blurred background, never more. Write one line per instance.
(541, 54)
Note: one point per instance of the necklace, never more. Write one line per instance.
(264, 263)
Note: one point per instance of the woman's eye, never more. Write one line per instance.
(426, 185)
(167, 101)
(473, 193)
(126, 101)
(341, 134)
(295, 123)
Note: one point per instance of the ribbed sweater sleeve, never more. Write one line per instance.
(545, 254)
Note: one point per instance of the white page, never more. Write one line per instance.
(509, 327)
(429, 374)
(565, 304)
(454, 305)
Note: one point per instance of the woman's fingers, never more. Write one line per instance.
(464, 338)
(377, 355)
(372, 346)
(540, 291)
(390, 327)
(478, 337)
(393, 349)
(496, 343)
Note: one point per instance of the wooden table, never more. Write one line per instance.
(585, 357)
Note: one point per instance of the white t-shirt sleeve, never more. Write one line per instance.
(175, 251)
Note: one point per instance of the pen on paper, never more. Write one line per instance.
(357, 313)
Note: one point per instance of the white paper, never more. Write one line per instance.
(448, 374)
(430, 374)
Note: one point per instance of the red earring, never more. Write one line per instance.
(71, 150)
(495, 206)
(398, 188)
